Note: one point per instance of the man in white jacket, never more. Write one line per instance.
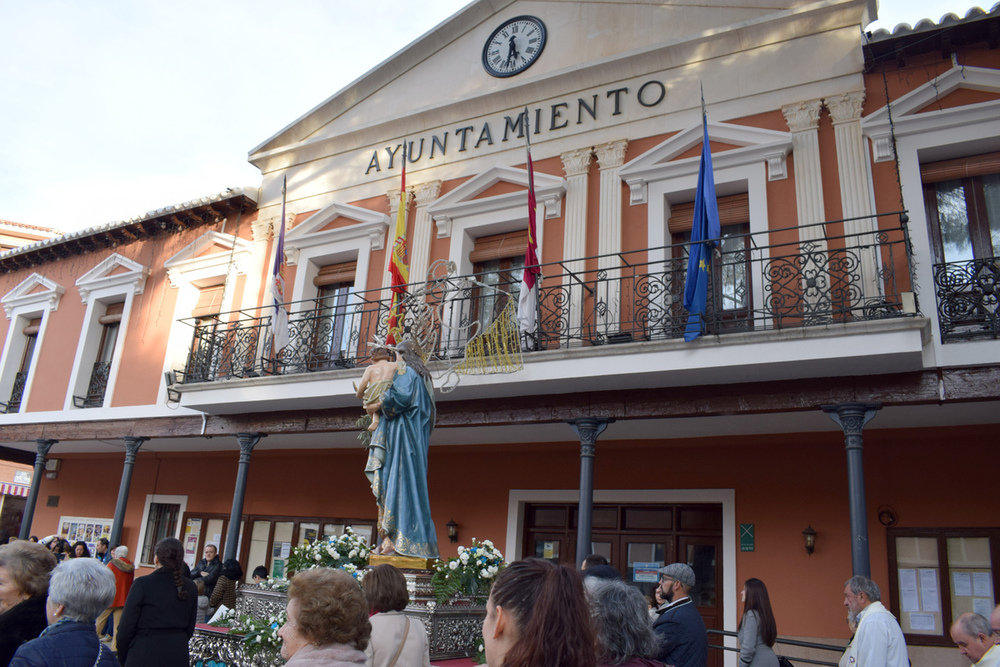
(973, 636)
(878, 641)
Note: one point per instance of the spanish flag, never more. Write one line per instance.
(399, 270)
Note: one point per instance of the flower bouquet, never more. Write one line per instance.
(258, 634)
(349, 552)
(471, 573)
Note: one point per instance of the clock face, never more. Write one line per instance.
(514, 46)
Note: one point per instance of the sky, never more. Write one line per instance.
(112, 108)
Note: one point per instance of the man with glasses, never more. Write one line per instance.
(678, 625)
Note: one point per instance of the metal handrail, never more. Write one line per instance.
(788, 642)
(777, 281)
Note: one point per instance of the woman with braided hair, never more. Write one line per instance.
(160, 613)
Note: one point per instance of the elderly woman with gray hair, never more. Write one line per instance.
(79, 590)
(625, 636)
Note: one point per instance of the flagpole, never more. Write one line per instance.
(527, 302)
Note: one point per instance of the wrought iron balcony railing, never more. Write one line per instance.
(758, 282)
(16, 393)
(967, 299)
(97, 387)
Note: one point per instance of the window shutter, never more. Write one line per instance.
(114, 313)
(965, 167)
(209, 301)
(500, 246)
(733, 210)
(336, 273)
(32, 328)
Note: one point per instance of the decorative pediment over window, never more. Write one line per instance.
(465, 200)
(36, 289)
(207, 258)
(316, 230)
(660, 163)
(114, 271)
(909, 115)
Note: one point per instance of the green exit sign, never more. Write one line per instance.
(746, 537)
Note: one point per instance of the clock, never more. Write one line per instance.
(514, 46)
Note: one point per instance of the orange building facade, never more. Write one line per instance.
(857, 180)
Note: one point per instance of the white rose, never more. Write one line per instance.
(336, 556)
(318, 557)
(484, 573)
(453, 564)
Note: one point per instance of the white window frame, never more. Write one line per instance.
(99, 287)
(189, 271)
(33, 298)
(161, 500)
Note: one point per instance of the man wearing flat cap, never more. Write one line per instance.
(678, 625)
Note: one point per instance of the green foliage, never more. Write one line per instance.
(349, 552)
(259, 635)
(365, 436)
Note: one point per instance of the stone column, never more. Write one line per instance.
(610, 157)
(576, 165)
(247, 442)
(803, 121)
(855, 188)
(41, 456)
(423, 230)
(587, 429)
(132, 445)
(852, 417)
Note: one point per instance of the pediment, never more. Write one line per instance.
(920, 109)
(36, 289)
(208, 256)
(671, 158)
(113, 271)
(509, 186)
(324, 227)
(443, 67)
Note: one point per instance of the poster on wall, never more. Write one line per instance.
(85, 529)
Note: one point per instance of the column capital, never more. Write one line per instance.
(393, 197)
(612, 154)
(247, 442)
(42, 447)
(576, 162)
(132, 445)
(588, 429)
(425, 193)
(845, 108)
(802, 116)
(852, 417)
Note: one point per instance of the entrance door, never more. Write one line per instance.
(650, 535)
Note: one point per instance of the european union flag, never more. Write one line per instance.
(704, 237)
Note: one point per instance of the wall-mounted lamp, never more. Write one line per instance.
(170, 379)
(452, 531)
(810, 537)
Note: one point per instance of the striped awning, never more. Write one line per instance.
(14, 490)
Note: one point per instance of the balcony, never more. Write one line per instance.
(967, 299)
(760, 283)
(96, 388)
(16, 393)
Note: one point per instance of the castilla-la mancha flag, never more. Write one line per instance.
(527, 301)
(279, 322)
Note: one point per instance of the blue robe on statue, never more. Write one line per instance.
(397, 464)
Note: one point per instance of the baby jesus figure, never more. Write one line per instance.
(374, 382)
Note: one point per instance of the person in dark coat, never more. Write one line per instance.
(227, 585)
(208, 569)
(24, 583)
(683, 638)
(160, 613)
(78, 591)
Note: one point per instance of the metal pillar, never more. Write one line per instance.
(42, 453)
(132, 445)
(247, 442)
(587, 429)
(852, 417)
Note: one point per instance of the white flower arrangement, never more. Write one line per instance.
(258, 634)
(470, 573)
(349, 552)
(279, 585)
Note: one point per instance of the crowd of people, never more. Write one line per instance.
(539, 614)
